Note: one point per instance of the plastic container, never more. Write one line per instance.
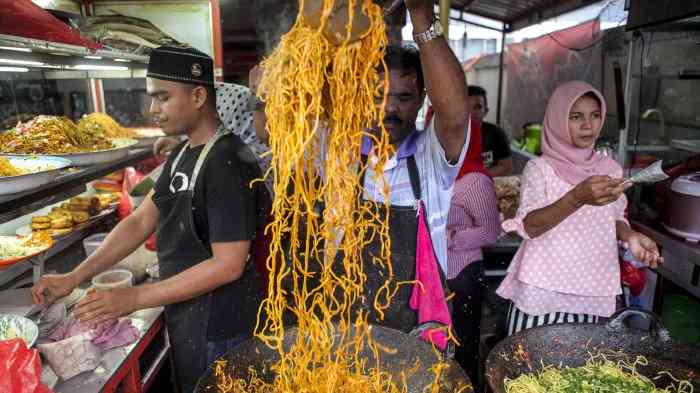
(92, 242)
(116, 278)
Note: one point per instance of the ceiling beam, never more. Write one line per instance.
(546, 10)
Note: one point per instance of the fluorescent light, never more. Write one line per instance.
(94, 57)
(14, 69)
(21, 62)
(123, 60)
(91, 67)
(16, 49)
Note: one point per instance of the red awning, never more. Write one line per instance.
(25, 19)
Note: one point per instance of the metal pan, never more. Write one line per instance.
(572, 345)
(43, 170)
(97, 157)
(253, 354)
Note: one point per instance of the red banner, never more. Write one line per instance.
(536, 67)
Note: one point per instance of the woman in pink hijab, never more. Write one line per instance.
(571, 217)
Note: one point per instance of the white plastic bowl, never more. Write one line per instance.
(92, 242)
(116, 278)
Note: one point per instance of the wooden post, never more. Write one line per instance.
(445, 17)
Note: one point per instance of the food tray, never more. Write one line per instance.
(26, 230)
(13, 260)
(97, 157)
(16, 184)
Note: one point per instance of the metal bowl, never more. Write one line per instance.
(15, 326)
(43, 170)
(121, 150)
(255, 355)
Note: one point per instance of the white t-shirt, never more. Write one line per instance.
(437, 177)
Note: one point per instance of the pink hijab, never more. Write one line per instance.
(572, 163)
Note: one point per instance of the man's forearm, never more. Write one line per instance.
(446, 84)
(124, 239)
(199, 279)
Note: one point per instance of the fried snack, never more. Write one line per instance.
(41, 220)
(40, 226)
(108, 198)
(57, 212)
(80, 217)
(95, 207)
(61, 223)
(103, 203)
(42, 232)
(79, 204)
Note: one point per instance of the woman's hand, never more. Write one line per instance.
(644, 249)
(598, 191)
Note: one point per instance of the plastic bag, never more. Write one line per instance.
(132, 177)
(632, 277)
(20, 368)
(23, 18)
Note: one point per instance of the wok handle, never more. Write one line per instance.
(449, 352)
(616, 322)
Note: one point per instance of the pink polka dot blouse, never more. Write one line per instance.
(573, 267)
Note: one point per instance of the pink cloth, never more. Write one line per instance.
(570, 163)
(107, 335)
(428, 297)
(473, 221)
(573, 267)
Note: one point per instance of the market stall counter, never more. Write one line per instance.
(131, 368)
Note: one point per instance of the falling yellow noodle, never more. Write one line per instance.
(320, 94)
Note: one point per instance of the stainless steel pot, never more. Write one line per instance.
(682, 216)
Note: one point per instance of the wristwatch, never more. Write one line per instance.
(433, 32)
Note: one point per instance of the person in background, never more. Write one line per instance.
(473, 222)
(425, 164)
(571, 217)
(495, 144)
(203, 211)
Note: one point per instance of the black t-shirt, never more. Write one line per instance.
(494, 144)
(225, 207)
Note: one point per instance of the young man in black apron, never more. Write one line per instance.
(203, 211)
(426, 162)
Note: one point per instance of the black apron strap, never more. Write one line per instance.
(414, 177)
(363, 168)
(413, 174)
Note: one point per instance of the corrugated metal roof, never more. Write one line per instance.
(519, 13)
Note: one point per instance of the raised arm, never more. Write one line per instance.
(445, 81)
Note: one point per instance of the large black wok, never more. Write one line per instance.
(254, 354)
(572, 344)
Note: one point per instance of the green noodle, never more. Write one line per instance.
(599, 375)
